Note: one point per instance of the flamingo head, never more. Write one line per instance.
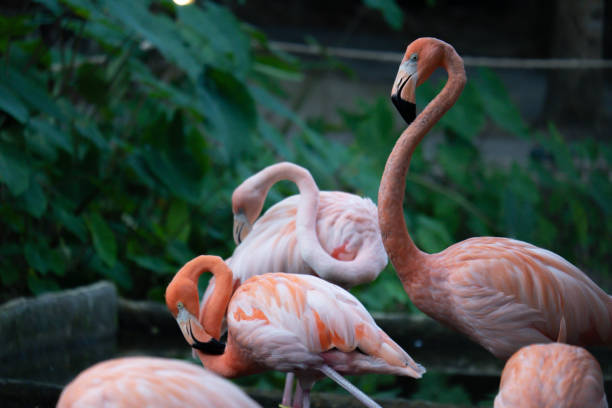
(182, 301)
(247, 203)
(421, 58)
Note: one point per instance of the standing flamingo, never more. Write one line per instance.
(502, 293)
(138, 382)
(551, 375)
(286, 322)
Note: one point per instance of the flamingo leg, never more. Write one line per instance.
(306, 403)
(344, 383)
(305, 383)
(298, 398)
(288, 390)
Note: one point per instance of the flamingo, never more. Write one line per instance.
(287, 322)
(330, 234)
(551, 375)
(502, 293)
(136, 382)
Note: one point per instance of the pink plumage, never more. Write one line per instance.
(551, 376)
(288, 322)
(138, 382)
(502, 293)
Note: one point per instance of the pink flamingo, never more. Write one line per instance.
(330, 234)
(287, 322)
(137, 382)
(502, 293)
(551, 375)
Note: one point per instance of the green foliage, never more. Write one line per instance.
(434, 387)
(121, 129)
(390, 11)
(124, 130)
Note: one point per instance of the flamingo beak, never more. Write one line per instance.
(242, 227)
(195, 334)
(403, 93)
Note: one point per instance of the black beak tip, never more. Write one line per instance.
(213, 347)
(405, 108)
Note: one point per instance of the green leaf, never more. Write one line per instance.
(176, 178)
(35, 257)
(91, 132)
(431, 234)
(32, 91)
(103, 238)
(231, 116)
(56, 262)
(271, 102)
(82, 8)
(73, 223)
(276, 68)
(35, 200)
(177, 221)
(118, 273)
(390, 10)
(467, 117)
(14, 169)
(12, 105)
(40, 285)
(497, 103)
(217, 37)
(156, 265)
(158, 30)
(52, 5)
(53, 135)
(581, 222)
(9, 274)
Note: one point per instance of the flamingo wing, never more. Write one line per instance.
(507, 293)
(289, 322)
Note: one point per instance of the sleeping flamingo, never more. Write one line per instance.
(137, 382)
(502, 293)
(330, 234)
(287, 322)
(551, 375)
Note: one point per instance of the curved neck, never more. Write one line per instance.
(403, 253)
(262, 182)
(212, 316)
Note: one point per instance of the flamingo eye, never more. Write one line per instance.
(179, 305)
(413, 57)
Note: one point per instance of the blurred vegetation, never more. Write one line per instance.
(124, 130)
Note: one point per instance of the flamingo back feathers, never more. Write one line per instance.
(290, 321)
(148, 382)
(551, 375)
(506, 292)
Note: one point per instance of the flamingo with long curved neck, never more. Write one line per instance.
(286, 322)
(502, 293)
(335, 233)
